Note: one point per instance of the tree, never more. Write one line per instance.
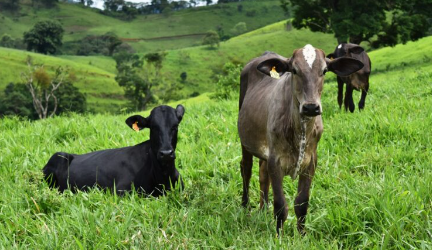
(211, 39)
(239, 28)
(138, 80)
(44, 37)
(7, 41)
(17, 100)
(10, 5)
(43, 87)
(356, 21)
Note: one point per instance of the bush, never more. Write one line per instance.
(18, 101)
(228, 83)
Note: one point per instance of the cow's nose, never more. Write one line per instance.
(311, 110)
(166, 154)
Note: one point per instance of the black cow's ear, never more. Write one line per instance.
(344, 66)
(180, 110)
(273, 64)
(331, 56)
(137, 122)
(356, 49)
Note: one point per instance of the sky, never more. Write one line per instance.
(99, 3)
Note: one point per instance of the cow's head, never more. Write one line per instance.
(308, 67)
(163, 124)
(359, 79)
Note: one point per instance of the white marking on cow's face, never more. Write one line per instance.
(309, 54)
(340, 46)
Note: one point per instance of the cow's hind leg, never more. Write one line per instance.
(57, 164)
(264, 180)
(340, 91)
(363, 97)
(246, 172)
(301, 202)
(279, 203)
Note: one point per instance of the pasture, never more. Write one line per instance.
(79, 22)
(95, 74)
(372, 188)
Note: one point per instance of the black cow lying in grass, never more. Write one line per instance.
(149, 166)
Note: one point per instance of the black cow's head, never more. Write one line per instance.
(163, 123)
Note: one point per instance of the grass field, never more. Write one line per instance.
(372, 188)
(79, 22)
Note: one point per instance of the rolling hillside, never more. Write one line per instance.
(96, 74)
(79, 22)
(371, 189)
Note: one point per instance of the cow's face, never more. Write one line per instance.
(163, 123)
(360, 78)
(308, 67)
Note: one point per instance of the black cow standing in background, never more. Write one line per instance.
(358, 80)
(149, 166)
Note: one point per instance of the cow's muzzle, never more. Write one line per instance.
(310, 110)
(166, 155)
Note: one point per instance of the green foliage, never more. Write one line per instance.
(228, 83)
(239, 28)
(7, 41)
(45, 37)
(137, 79)
(10, 5)
(211, 39)
(17, 100)
(363, 20)
(107, 45)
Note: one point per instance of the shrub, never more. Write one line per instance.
(228, 83)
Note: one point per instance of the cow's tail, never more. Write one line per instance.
(56, 162)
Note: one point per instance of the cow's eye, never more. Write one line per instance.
(294, 71)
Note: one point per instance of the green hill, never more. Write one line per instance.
(96, 74)
(371, 189)
(150, 33)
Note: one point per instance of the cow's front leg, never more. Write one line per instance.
(280, 205)
(340, 91)
(301, 202)
(349, 103)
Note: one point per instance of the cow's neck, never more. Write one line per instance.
(302, 127)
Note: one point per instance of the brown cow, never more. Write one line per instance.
(280, 123)
(356, 81)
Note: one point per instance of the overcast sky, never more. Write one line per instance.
(99, 3)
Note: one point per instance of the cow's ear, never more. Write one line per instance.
(331, 56)
(344, 66)
(356, 49)
(273, 64)
(180, 110)
(137, 122)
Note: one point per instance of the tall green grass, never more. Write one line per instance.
(372, 188)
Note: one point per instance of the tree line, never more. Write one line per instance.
(381, 23)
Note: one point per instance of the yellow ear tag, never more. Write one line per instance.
(274, 73)
(331, 58)
(135, 126)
